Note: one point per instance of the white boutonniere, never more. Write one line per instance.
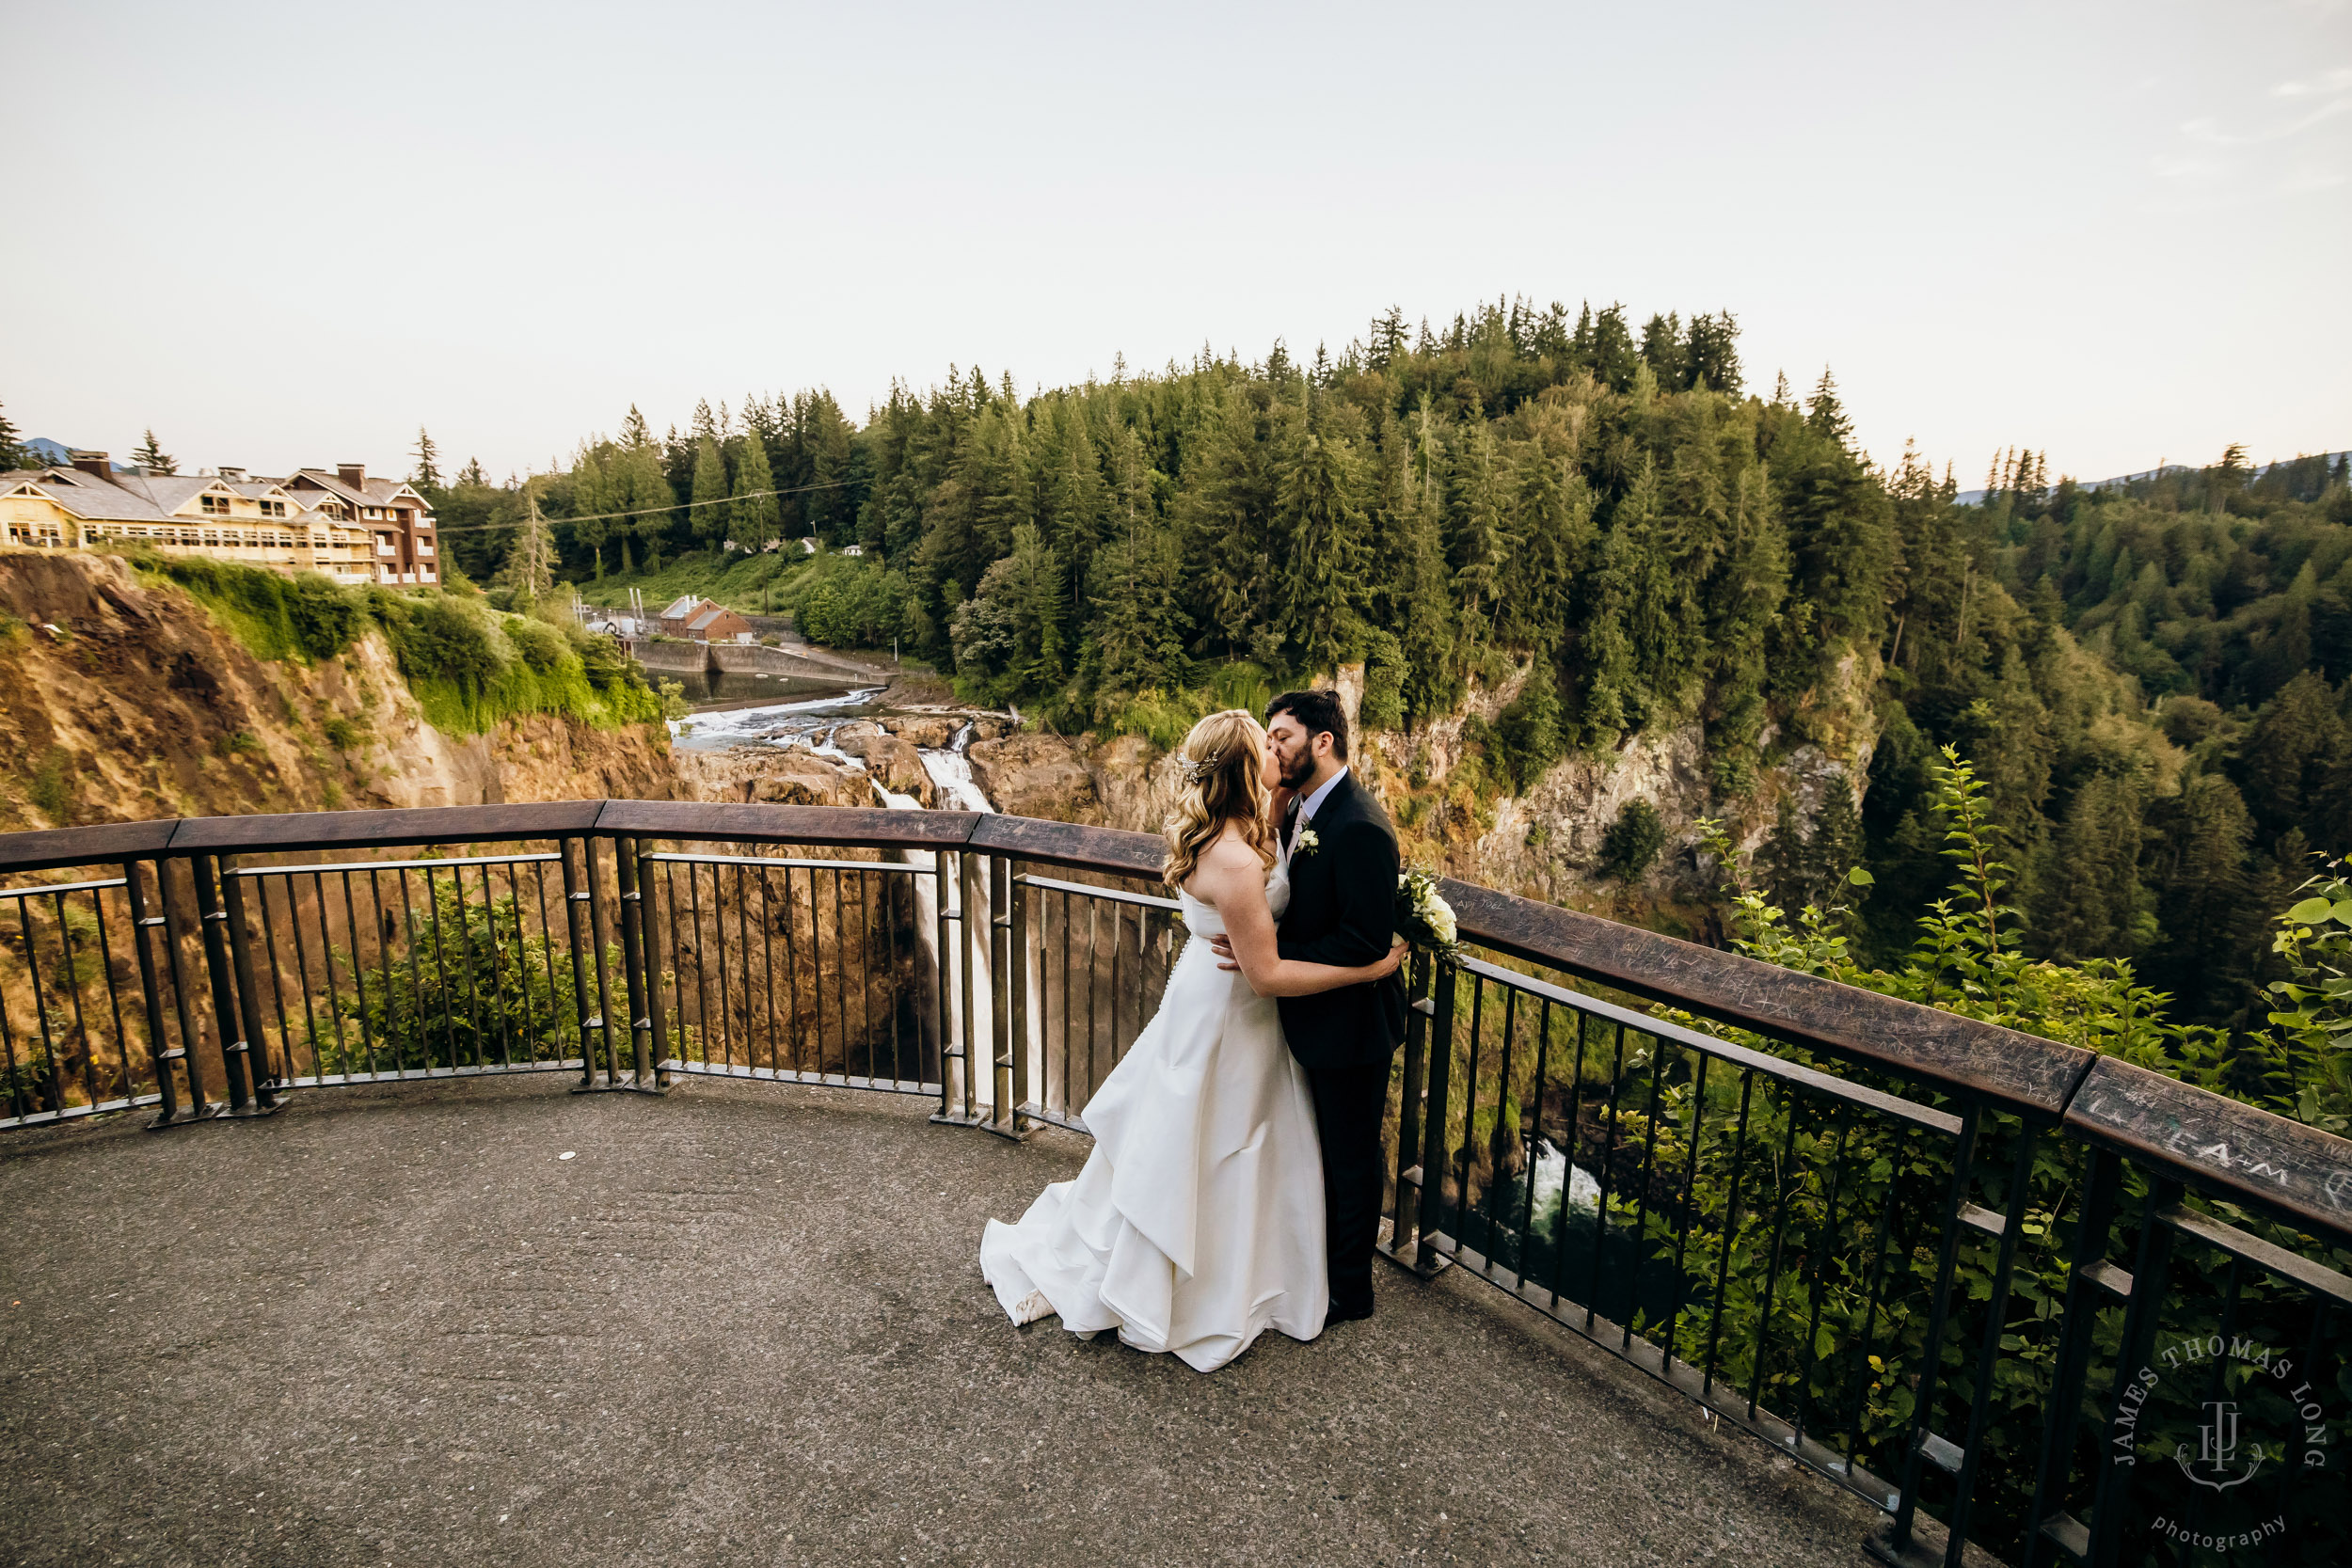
(1306, 842)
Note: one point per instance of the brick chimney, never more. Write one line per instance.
(353, 475)
(95, 464)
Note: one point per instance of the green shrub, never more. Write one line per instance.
(1631, 842)
(52, 787)
(343, 734)
(305, 617)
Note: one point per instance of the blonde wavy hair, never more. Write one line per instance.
(1219, 763)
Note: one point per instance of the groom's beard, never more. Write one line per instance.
(1296, 774)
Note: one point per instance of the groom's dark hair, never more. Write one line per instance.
(1318, 713)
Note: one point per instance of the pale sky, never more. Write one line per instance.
(290, 234)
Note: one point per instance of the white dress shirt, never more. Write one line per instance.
(1306, 810)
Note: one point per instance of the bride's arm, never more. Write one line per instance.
(1232, 877)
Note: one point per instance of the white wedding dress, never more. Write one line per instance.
(1197, 1221)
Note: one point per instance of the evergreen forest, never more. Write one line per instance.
(2151, 680)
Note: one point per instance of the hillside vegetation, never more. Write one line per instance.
(2150, 682)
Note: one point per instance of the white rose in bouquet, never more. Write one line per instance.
(1423, 915)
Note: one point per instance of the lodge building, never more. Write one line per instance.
(338, 520)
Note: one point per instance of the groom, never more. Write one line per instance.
(1342, 856)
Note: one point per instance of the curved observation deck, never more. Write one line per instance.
(1665, 1292)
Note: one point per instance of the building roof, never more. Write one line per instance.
(682, 608)
(90, 498)
(169, 493)
(708, 618)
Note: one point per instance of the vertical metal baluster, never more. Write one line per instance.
(1530, 1129)
(359, 978)
(416, 972)
(598, 925)
(326, 971)
(1017, 992)
(1989, 1350)
(941, 963)
(2233, 1278)
(702, 971)
(717, 940)
(1690, 1209)
(20, 1105)
(40, 1008)
(1730, 1236)
(158, 1048)
(265, 1074)
(1118, 941)
(792, 974)
(1574, 1148)
(656, 966)
(1094, 969)
(1427, 1258)
(179, 1006)
(633, 966)
(898, 991)
(1641, 1198)
(974, 911)
(114, 997)
(817, 975)
(743, 935)
(302, 971)
(1939, 1311)
(1788, 1189)
(522, 956)
(767, 955)
(547, 948)
(498, 966)
(1068, 1101)
(841, 975)
(1824, 1240)
(572, 898)
(1608, 1175)
(466, 957)
(866, 969)
(1858, 1391)
(1466, 1209)
(441, 961)
(1506, 1240)
(212, 917)
(276, 977)
(677, 963)
(74, 990)
(2151, 1268)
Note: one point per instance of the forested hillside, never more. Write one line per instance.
(2151, 680)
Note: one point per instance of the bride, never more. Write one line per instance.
(1199, 1218)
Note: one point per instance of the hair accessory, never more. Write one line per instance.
(1195, 769)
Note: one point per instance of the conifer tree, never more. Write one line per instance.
(710, 498)
(14, 452)
(150, 455)
(426, 476)
(753, 515)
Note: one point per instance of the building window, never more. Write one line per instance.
(213, 505)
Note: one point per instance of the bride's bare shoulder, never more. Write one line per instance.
(1228, 861)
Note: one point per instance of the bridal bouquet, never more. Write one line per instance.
(1424, 917)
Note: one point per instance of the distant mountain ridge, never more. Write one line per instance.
(1972, 498)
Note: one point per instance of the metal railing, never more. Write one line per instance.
(2014, 1295)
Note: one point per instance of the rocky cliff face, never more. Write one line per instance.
(121, 702)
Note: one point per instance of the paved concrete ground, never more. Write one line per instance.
(746, 1325)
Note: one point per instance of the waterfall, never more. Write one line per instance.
(1553, 1172)
(951, 773)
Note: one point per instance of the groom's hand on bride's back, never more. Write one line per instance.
(1223, 946)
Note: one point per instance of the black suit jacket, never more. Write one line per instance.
(1343, 912)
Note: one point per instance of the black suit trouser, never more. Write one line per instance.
(1350, 1105)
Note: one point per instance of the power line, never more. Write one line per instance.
(655, 511)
